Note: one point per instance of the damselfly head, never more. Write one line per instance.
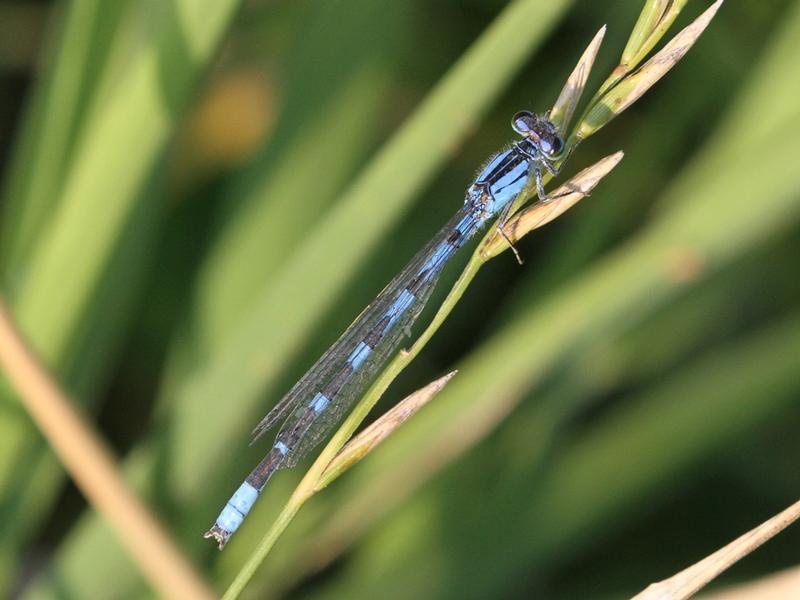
(541, 131)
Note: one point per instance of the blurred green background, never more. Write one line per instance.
(199, 197)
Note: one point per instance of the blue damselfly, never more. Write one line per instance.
(317, 402)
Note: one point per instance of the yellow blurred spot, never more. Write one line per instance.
(232, 120)
(683, 264)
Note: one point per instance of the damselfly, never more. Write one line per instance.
(318, 401)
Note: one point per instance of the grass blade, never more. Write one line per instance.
(120, 145)
(361, 445)
(688, 582)
(94, 470)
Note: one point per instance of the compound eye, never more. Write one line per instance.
(556, 148)
(521, 122)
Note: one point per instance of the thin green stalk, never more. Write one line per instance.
(487, 249)
(268, 541)
(308, 485)
(314, 479)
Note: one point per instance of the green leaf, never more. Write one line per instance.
(89, 224)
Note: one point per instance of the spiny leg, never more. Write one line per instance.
(544, 196)
(501, 222)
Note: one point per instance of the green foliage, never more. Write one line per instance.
(637, 370)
